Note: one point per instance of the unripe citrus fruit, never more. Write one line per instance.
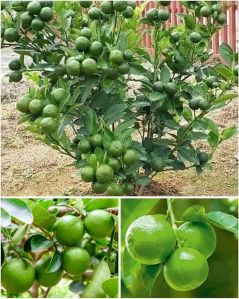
(86, 33)
(107, 7)
(175, 36)
(171, 88)
(217, 8)
(193, 103)
(114, 189)
(116, 148)
(84, 146)
(128, 55)
(204, 104)
(98, 188)
(50, 110)
(59, 94)
(73, 67)
(165, 3)
(115, 164)
(17, 6)
(23, 104)
(116, 57)
(157, 164)
(195, 37)
(43, 277)
(47, 3)
(15, 65)
(198, 235)
(85, 4)
(34, 7)
(152, 14)
(128, 188)
(131, 3)
(36, 106)
(87, 173)
(96, 48)
(94, 13)
(68, 230)
(96, 140)
(186, 269)
(120, 5)
(210, 80)
(158, 86)
(206, 11)
(89, 66)
(130, 157)
(163, 15)
(203, 157)
(235, 70)
(17, 275)
(123, 68)
(48, 125)
(15, 76)
(128, 13)
(37, 24)
(150, 239)
(82, 43)
(75, 260)
(104, 173)
(99, 224)
(11, 35)
(46, 14)
(221, 19)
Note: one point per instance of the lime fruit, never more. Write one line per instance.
(123, 68)
(221, 19)
(59, 94)
(34, 7)
(158, 86)
(210, 80)
(89, 66)
(50, 110)
(36, 106)
(203, 157)
(217, 8)
(195, 37)
(175, 36)
(84, 146)
(26, 20)
(204, 104)
(107, 7)
(206, 11)
(15, 76)
(114, 189)
(104, 173)
(152, 14)
(17, 275)
(165, 3)
(115, 164)
(131, 3)
(128, 188)
(98, 188)
(85, 4)
(73, 67)
(11, 35)
(163, 15)
(68, 230)
(171, 88)
(23, 104)
(37, 24)
(96, 140)
(43, 277)
(120, 5)
(130, 157)
(46, 14)
(87, 173)
(150, 239)
(86, 33)
(48, 125)
(82, 43)
(128, 13)
(116, 56)
(116, 148)
(75, 260)
(157, 164)
(94, 13)
(198, 235)
(193, 103)
(235, 70)
(186, 269)
(99, 224)
(128, 55)
(96, 48)
(15, 65)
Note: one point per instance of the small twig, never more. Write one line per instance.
(62, 210)
(46, 293)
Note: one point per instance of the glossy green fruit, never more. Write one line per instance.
(116, 148)
(175, 36)
(37, 24)
(210, 80)
(43, 277)
(23, 104)
(85, 4)
(96, 140)
(221, 19)
(157, 164)
(99, 224)
(73, 68)
(26, 20)
(107, 7)
(128, 188)
(86, 33)
(15, 65)
(195, 37)
(11, 35)
(69, 230)
(98, 188)
(50, 110)
(131, 3)
(204, 104)
(75, 260)
(87, 173)
(165, 3)
(130, 157)
(96, 48)
(46, 14)
(116, 57)
(36, 106)
(104, 173)
(94, 13)
(120, 5)
(59, 94)
(171, 88)
(163, 15)
(193, 103)
(186, 269)
(206, 11)
(217, 8)
(34, 7)
(84, 146)
(158, 86)
(114, 189)
(115, 164)
(89, 66)
(198, 235)
(82, 43)
(203, 157)
(123, 68)
(152, 14)
(235, 70)
(48, 125)
(128, 13)
(150, 239)
(128, 55)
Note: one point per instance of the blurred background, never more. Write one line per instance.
(222, 281)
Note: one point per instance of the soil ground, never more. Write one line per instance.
(30, 168)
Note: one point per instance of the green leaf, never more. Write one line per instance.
(55, 263)
(107, 85)
(224, 71)
(224, 221)
(190, 21)
(114, 113)
(100, 203)
(136, 69)
(18, 209)
(165, 75)
(187, 114)
(226, 53)
(5, 218)
(92, 121)
(130, 265)
(156, 96)
(92, 161)
(19, 234)
(69, 52)
(149, 274)
(143, 180)
(189, 155)
(110, 286)
(87, 93)
(77, 287)
(213, 139)
(194, 213)
(228, 133)
(39, 243)
(225, 97)
(95, 287)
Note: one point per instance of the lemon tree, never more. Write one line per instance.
(85, 56)
(178, 246)
(50, 243)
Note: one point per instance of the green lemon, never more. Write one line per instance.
(206, 11)
(235, 70)
(75, 260)
(87, 173)
(131, 3)
(15, 76)
(158, 86)
(104, 173)
(221, 19)
(152, 14)
(48, 125)
(123, 68)
(69, 230)
(26, 20)
(34, 7)
(203, 157)
(150, 239)
(217, 8)
(165, 3)
(86, 33)
(128, 55)
(73, 67)
(80, 57)
(186, 269)
(50, 110)
(17, 275)
(99, 224)
(23, 104)
(84, 146)
(195, 37)
(175, 36)
(163, 15)
(98, 188)
(128, 13)
(116, 56)
(36, 106)
(37, 24)
(157, 164)
(114, 189)
(130, 157)
(59, 94)
(96, 48)
(46, 14)
(120, 5)
(94, 13)
(210, 80)
(43, 277)
(15, 65)
(128, 188)
(17, 6)
(204, 104)
(116, 148)
(85, 4)
(198, 235)
(115, 164)
(11, 35)
(47, 3)
(82, 43)
(107, 7)
(89, 66)
(193, 103)
(171, 88)
(96, 140)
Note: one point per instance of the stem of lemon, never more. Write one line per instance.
(171, 214)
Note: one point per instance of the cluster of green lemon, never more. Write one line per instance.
(151, 240)
(103, 176)
(214, 11)
(158, 15)
(19, 274)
